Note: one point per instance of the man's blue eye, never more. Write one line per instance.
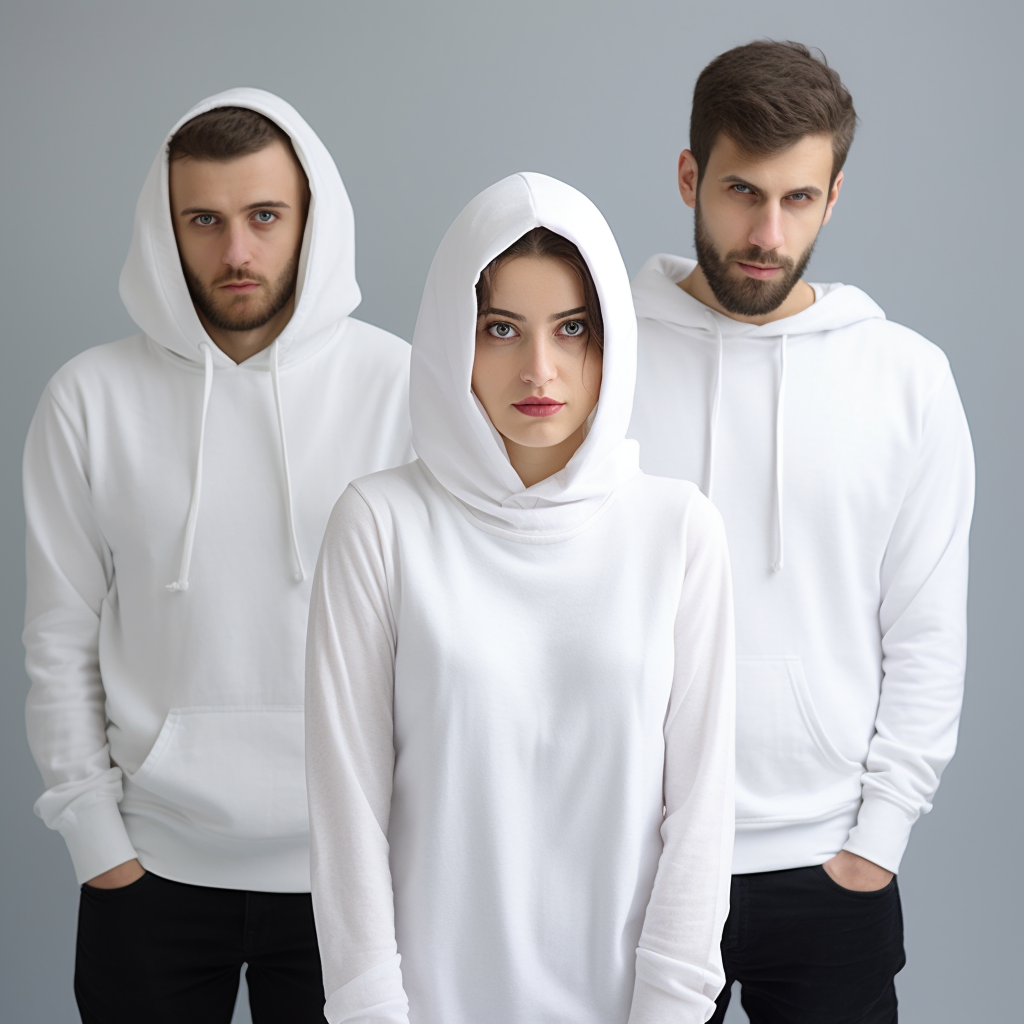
(265, 216)
(205, 219)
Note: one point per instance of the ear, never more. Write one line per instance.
(687, 178)
(833, 198)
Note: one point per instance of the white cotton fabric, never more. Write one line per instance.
(835, 446)
(520, 700)
(175, 503)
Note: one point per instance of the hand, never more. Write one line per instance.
(852, 872)
(117, 878)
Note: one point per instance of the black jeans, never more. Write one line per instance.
(807, 951)
(158, 951)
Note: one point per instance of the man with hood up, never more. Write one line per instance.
(835, 446)
(177, 485)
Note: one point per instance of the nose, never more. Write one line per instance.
(538, 366)
(767, 230)
(237, 253)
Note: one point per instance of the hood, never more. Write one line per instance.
(451, 432)
(153, 286)
(658, 298)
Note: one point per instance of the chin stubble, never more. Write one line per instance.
(222, 319)
(747, 297)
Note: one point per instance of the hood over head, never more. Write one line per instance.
(153, 286)
(451, 432)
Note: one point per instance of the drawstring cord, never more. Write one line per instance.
(713, 416)
(181, 583)
(300, 573)
(780, 403)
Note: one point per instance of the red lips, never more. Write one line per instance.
(539, 406)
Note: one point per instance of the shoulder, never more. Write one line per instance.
(371, 509)
(678, 501)
(387, 494)
(96, 370)
(901, 345)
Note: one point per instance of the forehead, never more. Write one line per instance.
(535, 281)
(272, 173)
(806, 162)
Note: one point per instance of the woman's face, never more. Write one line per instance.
(536, 372)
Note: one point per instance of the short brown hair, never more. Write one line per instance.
(225, 133)
(544, 242)
(767, 96)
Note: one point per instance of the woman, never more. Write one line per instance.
(519, 666)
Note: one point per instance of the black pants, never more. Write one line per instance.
(161, 952)
(807, 951)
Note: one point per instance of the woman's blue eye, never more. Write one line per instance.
(501, 330)
(574, 328)
(265, 216)
(205, 219)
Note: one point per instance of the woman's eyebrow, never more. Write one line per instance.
(568, 312)
(502, 312)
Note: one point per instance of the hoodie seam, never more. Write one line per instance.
(928, 404)
(388, 628)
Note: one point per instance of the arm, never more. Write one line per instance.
(679, 966)
(350, 757)
(922, 616)
(70, 572)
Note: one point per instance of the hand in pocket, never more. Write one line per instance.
(117, 878)
(856, 873)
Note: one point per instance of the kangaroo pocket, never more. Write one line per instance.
(787, 769)
(236, 771)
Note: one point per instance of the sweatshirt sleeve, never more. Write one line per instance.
(678, 964)
(350, 669)
(923, 619)
(69, 574)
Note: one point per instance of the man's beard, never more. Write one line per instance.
(221, 316)
(745, 296)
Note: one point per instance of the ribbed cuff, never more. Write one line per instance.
(881, 833)
(96, 838)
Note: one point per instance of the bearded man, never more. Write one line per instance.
(834, 443)
(177, 486)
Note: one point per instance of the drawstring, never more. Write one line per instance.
(181, 583)
(780, 402)
(300, 573)
(713, 416)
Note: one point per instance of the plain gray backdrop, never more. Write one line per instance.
(423, 105)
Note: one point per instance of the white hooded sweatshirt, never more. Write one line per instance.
(175, 504)
(836, 448)
(520, 700)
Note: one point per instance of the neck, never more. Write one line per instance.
(242, 345)
(536, 464)
(800, 298)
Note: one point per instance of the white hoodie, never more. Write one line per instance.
(505, 687)
(167, 720)
(836, 448)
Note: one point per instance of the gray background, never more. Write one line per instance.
(423, 105)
